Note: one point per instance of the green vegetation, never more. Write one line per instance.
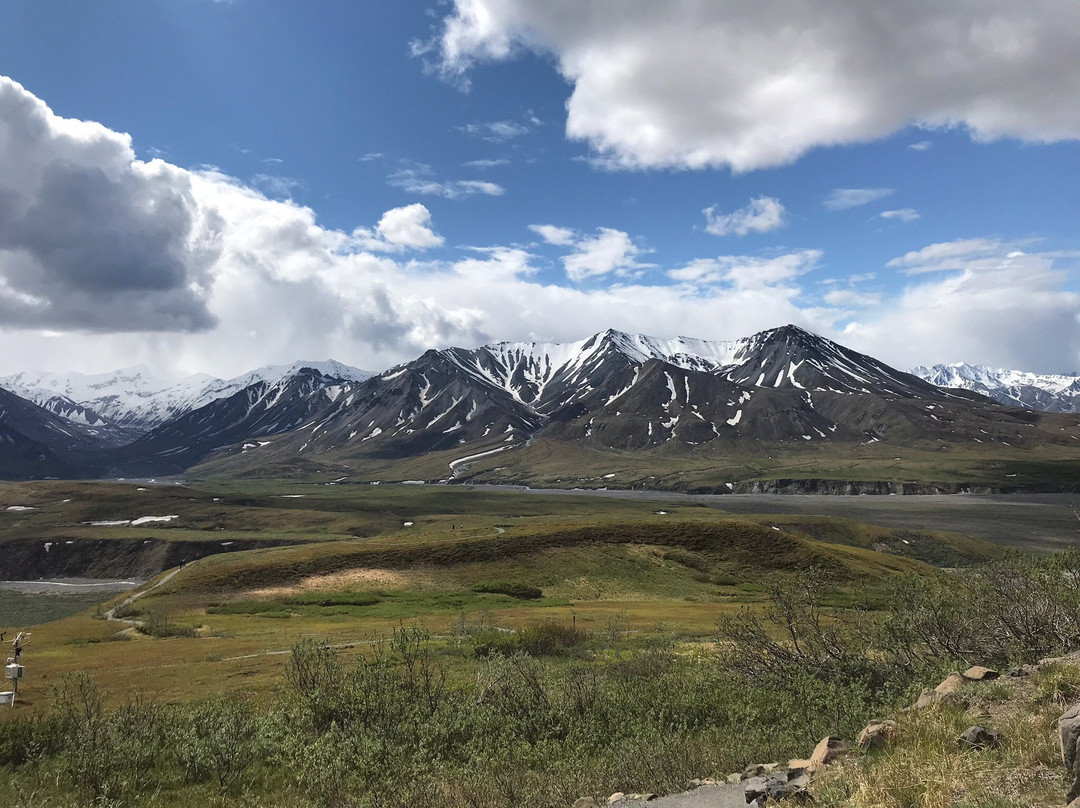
(514, 590)
(541, 715)
(28, 609)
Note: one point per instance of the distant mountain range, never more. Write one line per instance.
(129, 402)
(612, 392)
(1014, 388)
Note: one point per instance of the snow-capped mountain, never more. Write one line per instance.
(261, 408)
(35, 442)
(1015, 388)
(134, 400)
(633, 392)
(610, 392)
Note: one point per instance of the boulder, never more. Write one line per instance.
(772, 787)
(977, 673)
(950, 685)
(614, 798)
(1020, 672)
(698, 782)
(1069, 731)
(827, 750)
(1069, 735)
(876, 734)
(979, 737)
(585, 802)
(932, 696)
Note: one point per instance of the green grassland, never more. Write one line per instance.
(1050, 464)
(351, 570)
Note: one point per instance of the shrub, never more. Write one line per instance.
(336, 599)
(544, 639)
(514, 590)
(161, 625)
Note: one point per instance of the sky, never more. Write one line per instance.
(215, 185)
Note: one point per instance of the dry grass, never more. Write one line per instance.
(925, 767)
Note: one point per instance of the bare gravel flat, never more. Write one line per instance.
(1025, 521)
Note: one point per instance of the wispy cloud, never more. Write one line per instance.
(847, 198)
(275, 186)
(483, 164)
(420, 179)
(922, 145)
(495, 131)
(901, 214)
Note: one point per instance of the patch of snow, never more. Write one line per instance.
(145, 520)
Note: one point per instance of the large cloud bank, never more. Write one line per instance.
(147, 261)
(695, 83)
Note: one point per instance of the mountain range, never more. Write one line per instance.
(613, 391)
(1014, 388)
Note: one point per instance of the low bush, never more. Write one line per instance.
(544, 639)
(514, 590)
(161, 625)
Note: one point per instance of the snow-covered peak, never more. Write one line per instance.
(960, 374)
(1017, 388)
(137, 398)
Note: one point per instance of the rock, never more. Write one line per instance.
(799, 764)
(950, 685)
(774, 787)
(980, 738)
(931, 697)
(585, 802)
(614, 798)
(757, 770)
(698, 782)
(927, 698)
(799, 778)
(734, 779)
(977, 673)
(1069, 729)
(876, 734)
(827, 750)
(1020, 672)
(1069, 736)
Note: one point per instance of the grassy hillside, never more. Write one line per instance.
(462, 561)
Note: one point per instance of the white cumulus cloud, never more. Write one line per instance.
(751, 85)
(408, 227)
(764, 213)
(552, 234)
(608, 251)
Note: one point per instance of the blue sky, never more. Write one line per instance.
(503, 117)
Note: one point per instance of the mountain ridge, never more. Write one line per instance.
(1039, 391)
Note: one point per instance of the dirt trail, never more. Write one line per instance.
(110, 615)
